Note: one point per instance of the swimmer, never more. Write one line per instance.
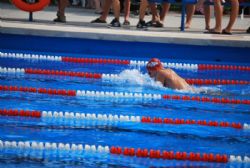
(167, 77)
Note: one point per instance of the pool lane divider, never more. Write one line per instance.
(35, 146)
(122, 95)
(184, 66)
(111, 76)
(119, 118)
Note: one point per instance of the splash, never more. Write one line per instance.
(134, 77)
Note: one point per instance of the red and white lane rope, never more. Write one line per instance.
(184, 66)
(123, 95)
(30, 146)
(216, 82)
(111, 76)
(119, 118)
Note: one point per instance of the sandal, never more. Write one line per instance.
(225, 32)
(212, 31)
(98, 20)
(126, 23)
(248, 30)
(158, 24)
(150, 23)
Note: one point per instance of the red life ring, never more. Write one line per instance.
(31, 7)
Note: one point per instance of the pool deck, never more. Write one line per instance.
(14, 21)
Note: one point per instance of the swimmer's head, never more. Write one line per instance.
(154, 65)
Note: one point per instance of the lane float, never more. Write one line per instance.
(111, 76)
(119, 118)
(33, 146)
(123, 95)
(216, 82)
(183, 66)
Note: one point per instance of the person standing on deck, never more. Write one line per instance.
(62, 4)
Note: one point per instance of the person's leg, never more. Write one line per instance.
(207, 14)
(106, 9)
(142, 10)
(165, 9)
(233, 15)
(156, 21)
(98, 8)
(127, 10)
(218, 15)
(116, 7)
(62, 4)
(143, 7)
(155, 15)
(190, 13)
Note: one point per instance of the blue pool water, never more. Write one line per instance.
(189, 138)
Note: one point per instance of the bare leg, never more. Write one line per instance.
(127, 10)
(116, 7)
(218, 15)
(165, 9)
(98, 6)
(62, 4)
(143, 7)
(190, 13)
(207, 16)
(106, 8)
(155, 15)
(233, 15)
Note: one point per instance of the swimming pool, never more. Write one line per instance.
(74, 102)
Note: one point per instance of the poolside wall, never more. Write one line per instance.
(79, 46)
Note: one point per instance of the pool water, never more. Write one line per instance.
(131, 79)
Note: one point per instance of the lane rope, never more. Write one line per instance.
(35, 71)
(183, 66)
(32, 146)
(119, 118)
(123, 95)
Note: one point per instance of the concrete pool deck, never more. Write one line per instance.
(14, 21)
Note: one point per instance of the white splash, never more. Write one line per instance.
(135, 77)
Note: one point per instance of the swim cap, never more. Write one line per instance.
(154, 64)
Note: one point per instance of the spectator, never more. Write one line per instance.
(157, 20)
(143, 6)
(126, 8)
(218, 18)
(62, 4)
(204, 8)
(116, 6)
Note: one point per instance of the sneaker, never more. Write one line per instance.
(98, 20)
(141, 24)
(115, 23)
(126, 23)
